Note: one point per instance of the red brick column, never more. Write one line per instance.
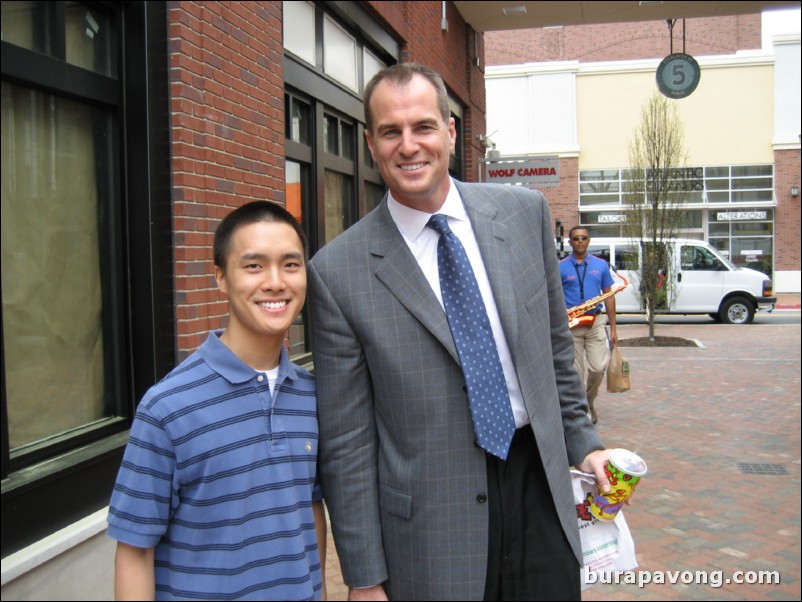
(227, 131)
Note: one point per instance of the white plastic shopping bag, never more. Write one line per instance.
(607, 547)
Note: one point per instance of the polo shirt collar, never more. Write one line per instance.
(575, 262)
(223, 361)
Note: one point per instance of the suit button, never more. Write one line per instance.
(481, 498)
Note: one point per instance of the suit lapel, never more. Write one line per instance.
(496, 249)
(402, 276)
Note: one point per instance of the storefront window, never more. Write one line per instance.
(373, 196)
(339, 54)
(297, 199)
(339, 194)
(746, 193)
(86, 250)
(89, 36)
(370, 65)
(745, 236)
(299, 30)
(298, 116)
(52, 297)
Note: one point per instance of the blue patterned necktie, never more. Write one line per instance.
(488, 397)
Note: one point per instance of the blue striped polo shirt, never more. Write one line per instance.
(219, 476)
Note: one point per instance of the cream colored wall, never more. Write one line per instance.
(729, 118)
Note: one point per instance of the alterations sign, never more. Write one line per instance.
(735, 216)
(533, 173)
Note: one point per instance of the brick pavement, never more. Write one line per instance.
(696, 413)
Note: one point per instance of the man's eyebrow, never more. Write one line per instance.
(389, 126)
(263, 257)
(249, 256)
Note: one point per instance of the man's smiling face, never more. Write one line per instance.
(411, 143)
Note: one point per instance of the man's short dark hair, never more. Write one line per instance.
(400, 75)
(251, 213)
(575, 228)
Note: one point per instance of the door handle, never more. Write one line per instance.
(679, 277)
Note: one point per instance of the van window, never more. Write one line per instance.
(602, 252)
(626, 257)
(700, 259)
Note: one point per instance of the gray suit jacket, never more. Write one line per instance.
(402, 478)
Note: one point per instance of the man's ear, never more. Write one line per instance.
(369, 138)
(220, 277)
(452, 132)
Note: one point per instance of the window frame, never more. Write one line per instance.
(55, 485)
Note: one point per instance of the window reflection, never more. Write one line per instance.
(88, 39)
(339, 194)
(298, 116)
(296, 191)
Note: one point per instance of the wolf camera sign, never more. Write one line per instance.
(533, 173)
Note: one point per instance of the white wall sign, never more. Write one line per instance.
(612, 219)
(733, 216)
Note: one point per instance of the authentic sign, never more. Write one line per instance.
(678, 179)
(539, 173)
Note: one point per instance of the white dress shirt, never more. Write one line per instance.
(422, 241)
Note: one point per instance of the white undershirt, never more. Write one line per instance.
(272, 377)
(422, 241)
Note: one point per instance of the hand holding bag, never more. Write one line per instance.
(607, 547)
(617, 372)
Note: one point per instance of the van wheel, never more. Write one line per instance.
(737, 310)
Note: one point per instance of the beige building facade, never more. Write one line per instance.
(741, 132)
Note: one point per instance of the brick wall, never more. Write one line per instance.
(623, 41)
(227, 122)
(227, 129)
(564, 199)
(787, 220)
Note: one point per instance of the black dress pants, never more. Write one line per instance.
(529, 557)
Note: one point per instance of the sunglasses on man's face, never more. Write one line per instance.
(579, 238)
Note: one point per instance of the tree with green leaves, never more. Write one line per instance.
(656, 188)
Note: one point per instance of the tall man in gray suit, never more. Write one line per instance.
(418, 510)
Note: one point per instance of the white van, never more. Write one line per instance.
(705, 282)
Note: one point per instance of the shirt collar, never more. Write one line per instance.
(411, 222)
(223, 361)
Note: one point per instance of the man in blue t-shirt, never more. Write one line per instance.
(584, 277)
(217, 496)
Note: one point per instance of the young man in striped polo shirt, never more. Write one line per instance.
(217, 496)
